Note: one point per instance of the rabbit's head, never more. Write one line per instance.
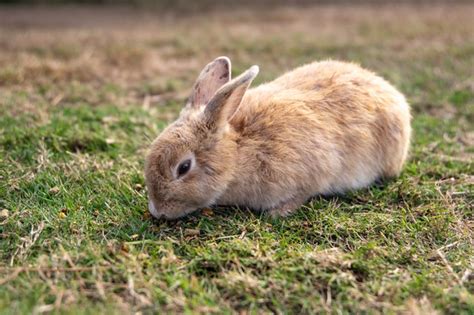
(192, 161)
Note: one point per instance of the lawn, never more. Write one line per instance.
(83, 92)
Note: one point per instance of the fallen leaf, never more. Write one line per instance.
(110, 119)
(207, 212)
(54, 190)
(191, 232)
(125, 247)
(143, 256)
(4, 214)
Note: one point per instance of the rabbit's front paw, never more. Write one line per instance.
(286, 208)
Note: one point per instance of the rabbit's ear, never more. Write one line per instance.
(227, 99)
(212, 77)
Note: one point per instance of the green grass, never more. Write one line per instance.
(75, 235)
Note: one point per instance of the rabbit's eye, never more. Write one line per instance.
(184, 167)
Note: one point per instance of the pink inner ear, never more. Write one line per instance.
(212, 77)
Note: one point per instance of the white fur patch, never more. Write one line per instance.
(152, 209)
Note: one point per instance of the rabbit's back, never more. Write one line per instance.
(324, 127)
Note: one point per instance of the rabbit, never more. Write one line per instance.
(323, 128)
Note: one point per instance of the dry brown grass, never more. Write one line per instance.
(131, 48)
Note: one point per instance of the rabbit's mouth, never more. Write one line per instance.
(168, 215)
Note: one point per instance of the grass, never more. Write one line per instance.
(82, 97)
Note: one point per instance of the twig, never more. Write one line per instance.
(131, 289)
(448, 266)
(49, 269)
(10, 277)
(27, 243)
(43, 309)
(467, 273)
(460, 224)
(448, 246)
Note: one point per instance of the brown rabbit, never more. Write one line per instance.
(323, 128)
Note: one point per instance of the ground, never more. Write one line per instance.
(83, 91)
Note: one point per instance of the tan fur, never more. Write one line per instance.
(323, 128)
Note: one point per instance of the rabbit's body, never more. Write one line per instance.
(323, 128)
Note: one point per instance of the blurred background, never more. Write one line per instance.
(148, 53)
(144, 52)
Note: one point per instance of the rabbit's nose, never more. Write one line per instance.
(152, 209)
